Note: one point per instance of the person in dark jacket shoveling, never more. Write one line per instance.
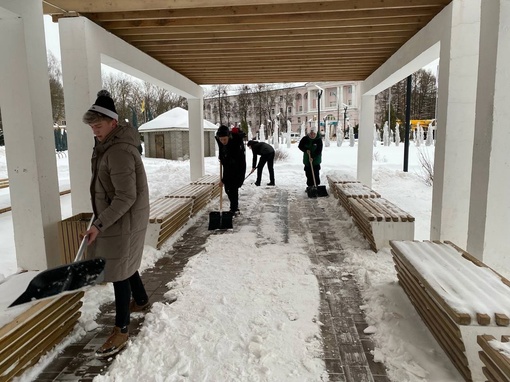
(311, 146)
(267, 154)
(233, 159)
(120, 202)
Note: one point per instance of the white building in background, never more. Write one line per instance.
(339, 105)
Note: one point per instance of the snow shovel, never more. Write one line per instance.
(64, 278)
(314, 191)
(219, 219)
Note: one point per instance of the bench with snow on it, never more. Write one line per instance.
(200, 194)
(380, 221)
(377, 218)
(345, 189)
(29, 331)
(457, 296)
(4, 183)
(167, 216)
(495, 356)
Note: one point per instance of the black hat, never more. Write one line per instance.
(104, 105)
(251, 142)
(223, 131)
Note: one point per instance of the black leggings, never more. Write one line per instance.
(309, 175)
(123, 290)
(269, 158)
(233, 196)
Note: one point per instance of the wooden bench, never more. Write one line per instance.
(457, 296)
(35, 331)
(381, 221)
(345, 189)
(213, 180)
(378, 219)
(69, 231)
(495, 355)
(167, 215)
(170, 213)
(200, 194)
(4, 183)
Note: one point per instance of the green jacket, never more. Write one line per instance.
(315, 146)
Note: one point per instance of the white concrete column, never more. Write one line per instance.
(196, 138)
(29, 141)
(353, 95)
(458, 68)
(366, 139)
(81, 73)
(489, 204)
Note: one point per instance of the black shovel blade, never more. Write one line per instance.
(214, 220)
(226, 220)
(64, 278)
(321, 191)
(311, 191)
(220, 220)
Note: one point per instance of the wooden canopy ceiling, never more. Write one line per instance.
(260, 41)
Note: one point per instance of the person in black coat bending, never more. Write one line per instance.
(233, 159)
(266, 153)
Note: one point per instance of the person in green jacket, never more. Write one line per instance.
(311, 146)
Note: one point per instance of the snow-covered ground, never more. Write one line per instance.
(229, 322)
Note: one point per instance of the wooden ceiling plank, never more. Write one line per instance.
(272, 58)
(271, 43)
(317, 33)
(310, 17)
(360, 24)
(268, 10)
(137, 5)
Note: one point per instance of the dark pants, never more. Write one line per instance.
(123, 290)
(309, 175)
(233, 196)
(269, 158)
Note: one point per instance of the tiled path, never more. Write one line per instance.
(346, 347)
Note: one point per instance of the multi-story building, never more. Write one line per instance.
(339, 102)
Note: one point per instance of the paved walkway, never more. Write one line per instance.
(346, 348)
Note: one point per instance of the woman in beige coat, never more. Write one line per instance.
(120, 202)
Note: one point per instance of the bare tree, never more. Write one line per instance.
(56, 89)
(244, 103)
(221, 104)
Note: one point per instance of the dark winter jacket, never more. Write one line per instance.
(120, 201)
(233, 158)
(315, 147)
(260, 148)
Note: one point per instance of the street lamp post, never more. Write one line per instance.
(345, 117)
(319, 94)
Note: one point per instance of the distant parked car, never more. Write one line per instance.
(294, 137)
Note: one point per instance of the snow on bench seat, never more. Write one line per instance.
(495, 356)
(345, 189)
(457, 296)
(378, 219)
(4, 183)
(381, 221)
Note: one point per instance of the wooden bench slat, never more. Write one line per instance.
(499, 360)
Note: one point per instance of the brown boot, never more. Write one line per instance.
(135, 308)
(114, 344)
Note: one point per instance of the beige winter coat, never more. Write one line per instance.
(120, 201)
